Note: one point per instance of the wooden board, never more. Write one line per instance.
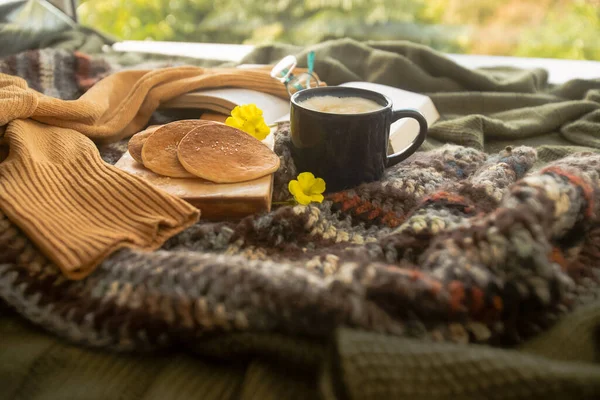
(216, 201)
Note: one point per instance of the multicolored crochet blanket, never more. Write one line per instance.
(57, 73)
(451, 245)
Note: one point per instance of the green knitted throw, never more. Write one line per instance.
(461, 274)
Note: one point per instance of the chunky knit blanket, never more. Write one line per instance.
(451, 245)
(57, 73)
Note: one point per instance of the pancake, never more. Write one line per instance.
(137, 142)
(159, 153)
(223, 154)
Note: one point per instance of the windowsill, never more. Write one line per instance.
(559, 71)
(209, 51)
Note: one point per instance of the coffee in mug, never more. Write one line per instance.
(340, 105)
(344, 140)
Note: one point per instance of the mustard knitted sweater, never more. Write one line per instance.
(56, 188)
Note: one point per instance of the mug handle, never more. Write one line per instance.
(418, 141)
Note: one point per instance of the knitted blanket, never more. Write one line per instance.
(57, 73)
(453, 245)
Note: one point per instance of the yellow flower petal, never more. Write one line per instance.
(236, 112)
(244, 113)
(318, 186)
(255, 110)
(294, 186)
(249, 118)
(296, 190)
(318, 198)
(306, 180)
(307, 188)
(263, 127)
(262, 131)
(303, 199)
(233, 122)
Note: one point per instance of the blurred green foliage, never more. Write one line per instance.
(535, 28)
(575, 34)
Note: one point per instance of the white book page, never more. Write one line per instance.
(272, 106)
(402, 132)
(285, 118)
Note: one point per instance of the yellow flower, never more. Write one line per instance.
(249, 119)
(307, 188)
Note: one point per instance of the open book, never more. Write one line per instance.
(405, 130)
(275, 109)
(222, 101)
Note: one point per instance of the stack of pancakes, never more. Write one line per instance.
(204, 149)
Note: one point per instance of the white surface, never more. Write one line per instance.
(210, 51)
(559, 70)
(403, 131)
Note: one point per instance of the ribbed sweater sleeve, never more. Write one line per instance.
(56, 188)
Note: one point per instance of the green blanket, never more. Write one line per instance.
(484, 109)
(559, 364)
